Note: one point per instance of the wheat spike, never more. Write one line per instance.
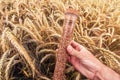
(21, 51)
(2, 62)
(9, 66)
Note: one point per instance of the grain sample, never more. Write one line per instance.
(61, 56)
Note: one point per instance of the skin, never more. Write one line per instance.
(88, 65)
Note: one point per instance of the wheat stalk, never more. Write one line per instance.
(9, 67)
(2, 63)
(21, 51)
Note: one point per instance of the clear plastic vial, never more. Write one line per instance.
(67, 36)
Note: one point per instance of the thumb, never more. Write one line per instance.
(72, 51)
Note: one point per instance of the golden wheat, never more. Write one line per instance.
(2, 63)
(35, 27)
(21, 50)
(9, 67)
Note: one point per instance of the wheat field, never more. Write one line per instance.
(30, 31)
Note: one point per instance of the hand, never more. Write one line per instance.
(87, 64)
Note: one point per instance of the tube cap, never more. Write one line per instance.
(71, 11)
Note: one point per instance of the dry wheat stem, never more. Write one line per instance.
(2, 63)
(9, 67)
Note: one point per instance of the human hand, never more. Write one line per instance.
(87, 64)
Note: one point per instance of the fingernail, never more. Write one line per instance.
(69, 47)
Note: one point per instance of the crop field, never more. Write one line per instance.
(30, 32)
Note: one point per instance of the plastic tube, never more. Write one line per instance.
(67, 36)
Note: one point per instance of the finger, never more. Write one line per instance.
(72, 51)
(81, 68)
(74, 60)
(76, 45)
(69, 59)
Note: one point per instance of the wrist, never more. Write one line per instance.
(106, 74)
